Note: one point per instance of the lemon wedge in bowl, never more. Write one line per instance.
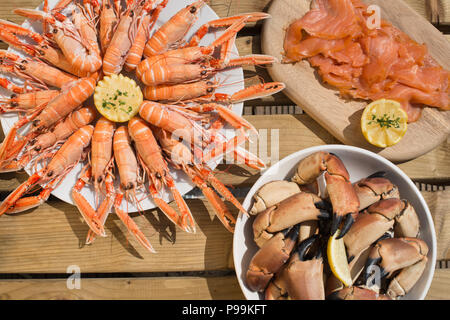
(384, 123)
(337, 259)
(118, 98)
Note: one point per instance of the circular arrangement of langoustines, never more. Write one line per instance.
(167, 79)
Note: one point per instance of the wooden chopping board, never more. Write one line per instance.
(341, 117)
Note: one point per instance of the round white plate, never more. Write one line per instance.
(183, 183)
(360, 163)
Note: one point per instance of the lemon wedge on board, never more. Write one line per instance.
(117, 98)
(337, 259)
(384, 123)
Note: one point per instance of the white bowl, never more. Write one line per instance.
(360, 163)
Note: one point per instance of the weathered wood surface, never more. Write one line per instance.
(160, 288)
(51, 237)
(439, 286)
(179, 288)
(439, 204)
(48, 239)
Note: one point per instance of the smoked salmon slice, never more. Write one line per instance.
(365, 63)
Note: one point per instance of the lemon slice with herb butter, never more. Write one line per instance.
(384, 123)
(117, 98)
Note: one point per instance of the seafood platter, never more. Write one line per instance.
(287, 248)
(120, 106)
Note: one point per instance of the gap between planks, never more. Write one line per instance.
(179, 288)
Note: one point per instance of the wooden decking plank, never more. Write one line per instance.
(439, 286)
(291, 109)
(50, 238)
(248, 111)
(298, 110)
(173, 288)
(421, 7)
(259, 110)
(273, 110)
(439, 203)
(161, 288)
(7, 7)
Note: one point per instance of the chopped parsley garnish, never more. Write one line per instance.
(111, 105)
(119, 93)
(385, 121)
(106, 104)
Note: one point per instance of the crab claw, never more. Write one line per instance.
(336, 222)
(348, 222)
(270, 258)
(378, 219)
(407, 255)
(271, 193)
(370, 265)
(378, 174)
(324, 208)
(296, 209)
(338, 186)
(300, 278)
(303, 247)
(374, 188)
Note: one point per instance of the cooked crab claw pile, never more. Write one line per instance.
(177, 126)
(294, 221)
